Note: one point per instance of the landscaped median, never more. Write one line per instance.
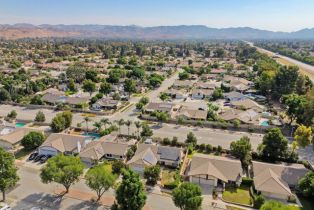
(238, 195)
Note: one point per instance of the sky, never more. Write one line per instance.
(275, 15)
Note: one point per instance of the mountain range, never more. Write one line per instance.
(23, 30)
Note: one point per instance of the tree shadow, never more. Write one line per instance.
(46, 201)
(87, 205)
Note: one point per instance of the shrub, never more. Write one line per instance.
(174, 141)
(259, 200)
(166, 141)
(32, 140)
(247, 181)
(117, 167)
(209, 148)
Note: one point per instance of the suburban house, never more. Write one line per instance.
(218, 71)
(214, 170)
(63, 143)
(102, 149)
(12, 137)
(106, 103)
(160, 107)
(200, 94)
(151, 154)
(207, 85)
(183, 84)
(177, 94)
(247, 104)
(234, 96)
(54, 99)
(192, 114)
(249, 116)
(276, 180)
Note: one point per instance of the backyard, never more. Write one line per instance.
(240, 195)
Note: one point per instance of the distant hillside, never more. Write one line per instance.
(135, 32)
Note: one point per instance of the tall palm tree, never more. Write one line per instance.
(98, 125)
(138, 125)
(128, 123)
(120, 123)
(105, 122)
(87, 119)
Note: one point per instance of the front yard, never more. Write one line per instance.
(170, 179)
(240, 195)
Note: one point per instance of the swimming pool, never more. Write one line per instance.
(19, 125)
(94, 135)
(264, 123)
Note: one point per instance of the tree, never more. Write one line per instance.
(76, 72)
(37, 100)
(276, 205)
(32, 140)
(8, 172)
(151, 174)
(105, 122)
(62, 169)
(72, 86)
(4, 95)
(294, 105)
(306, 185)
(12, 114)
(187, 196)
(285, 80)
(120, 122)
(92, 75)
(130, 194)
(100, 179)
(138, 126)
(146, 130)
(130, 86)
(87, 120)
(144, 100)
(242, 149)
(128, 123)
(89, 86)
(61, 121)
(303, 135)
(274, 146)
(40, 117)
(217, 94)
(183, 75)
(105, 88)
(162, 116)
(97, 125)
(191, 139)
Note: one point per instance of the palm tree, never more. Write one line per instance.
(87, 119)
(105, 122)
(128, 123)
(98, 125)
(138, 125)
(120, 123)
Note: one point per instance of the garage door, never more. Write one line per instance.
(202, 181)
(47, 151)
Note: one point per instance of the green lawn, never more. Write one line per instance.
(233, 208)
(239, 195)
(21, 154)
(170, 178)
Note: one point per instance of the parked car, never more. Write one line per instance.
(33, 156)
(45, 158)
(38, 157)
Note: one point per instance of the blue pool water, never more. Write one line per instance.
(264, 123)
(94, 135)
(19, 125)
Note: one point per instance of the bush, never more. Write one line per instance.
(117, 167)
(202, 147)
(247, 181)
(174, 141)
(166, 141)
(209, 148)
(259, 200)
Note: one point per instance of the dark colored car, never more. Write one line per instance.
(33, 156)
(45, 158)
(38, 157)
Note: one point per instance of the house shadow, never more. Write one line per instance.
(45, 201)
